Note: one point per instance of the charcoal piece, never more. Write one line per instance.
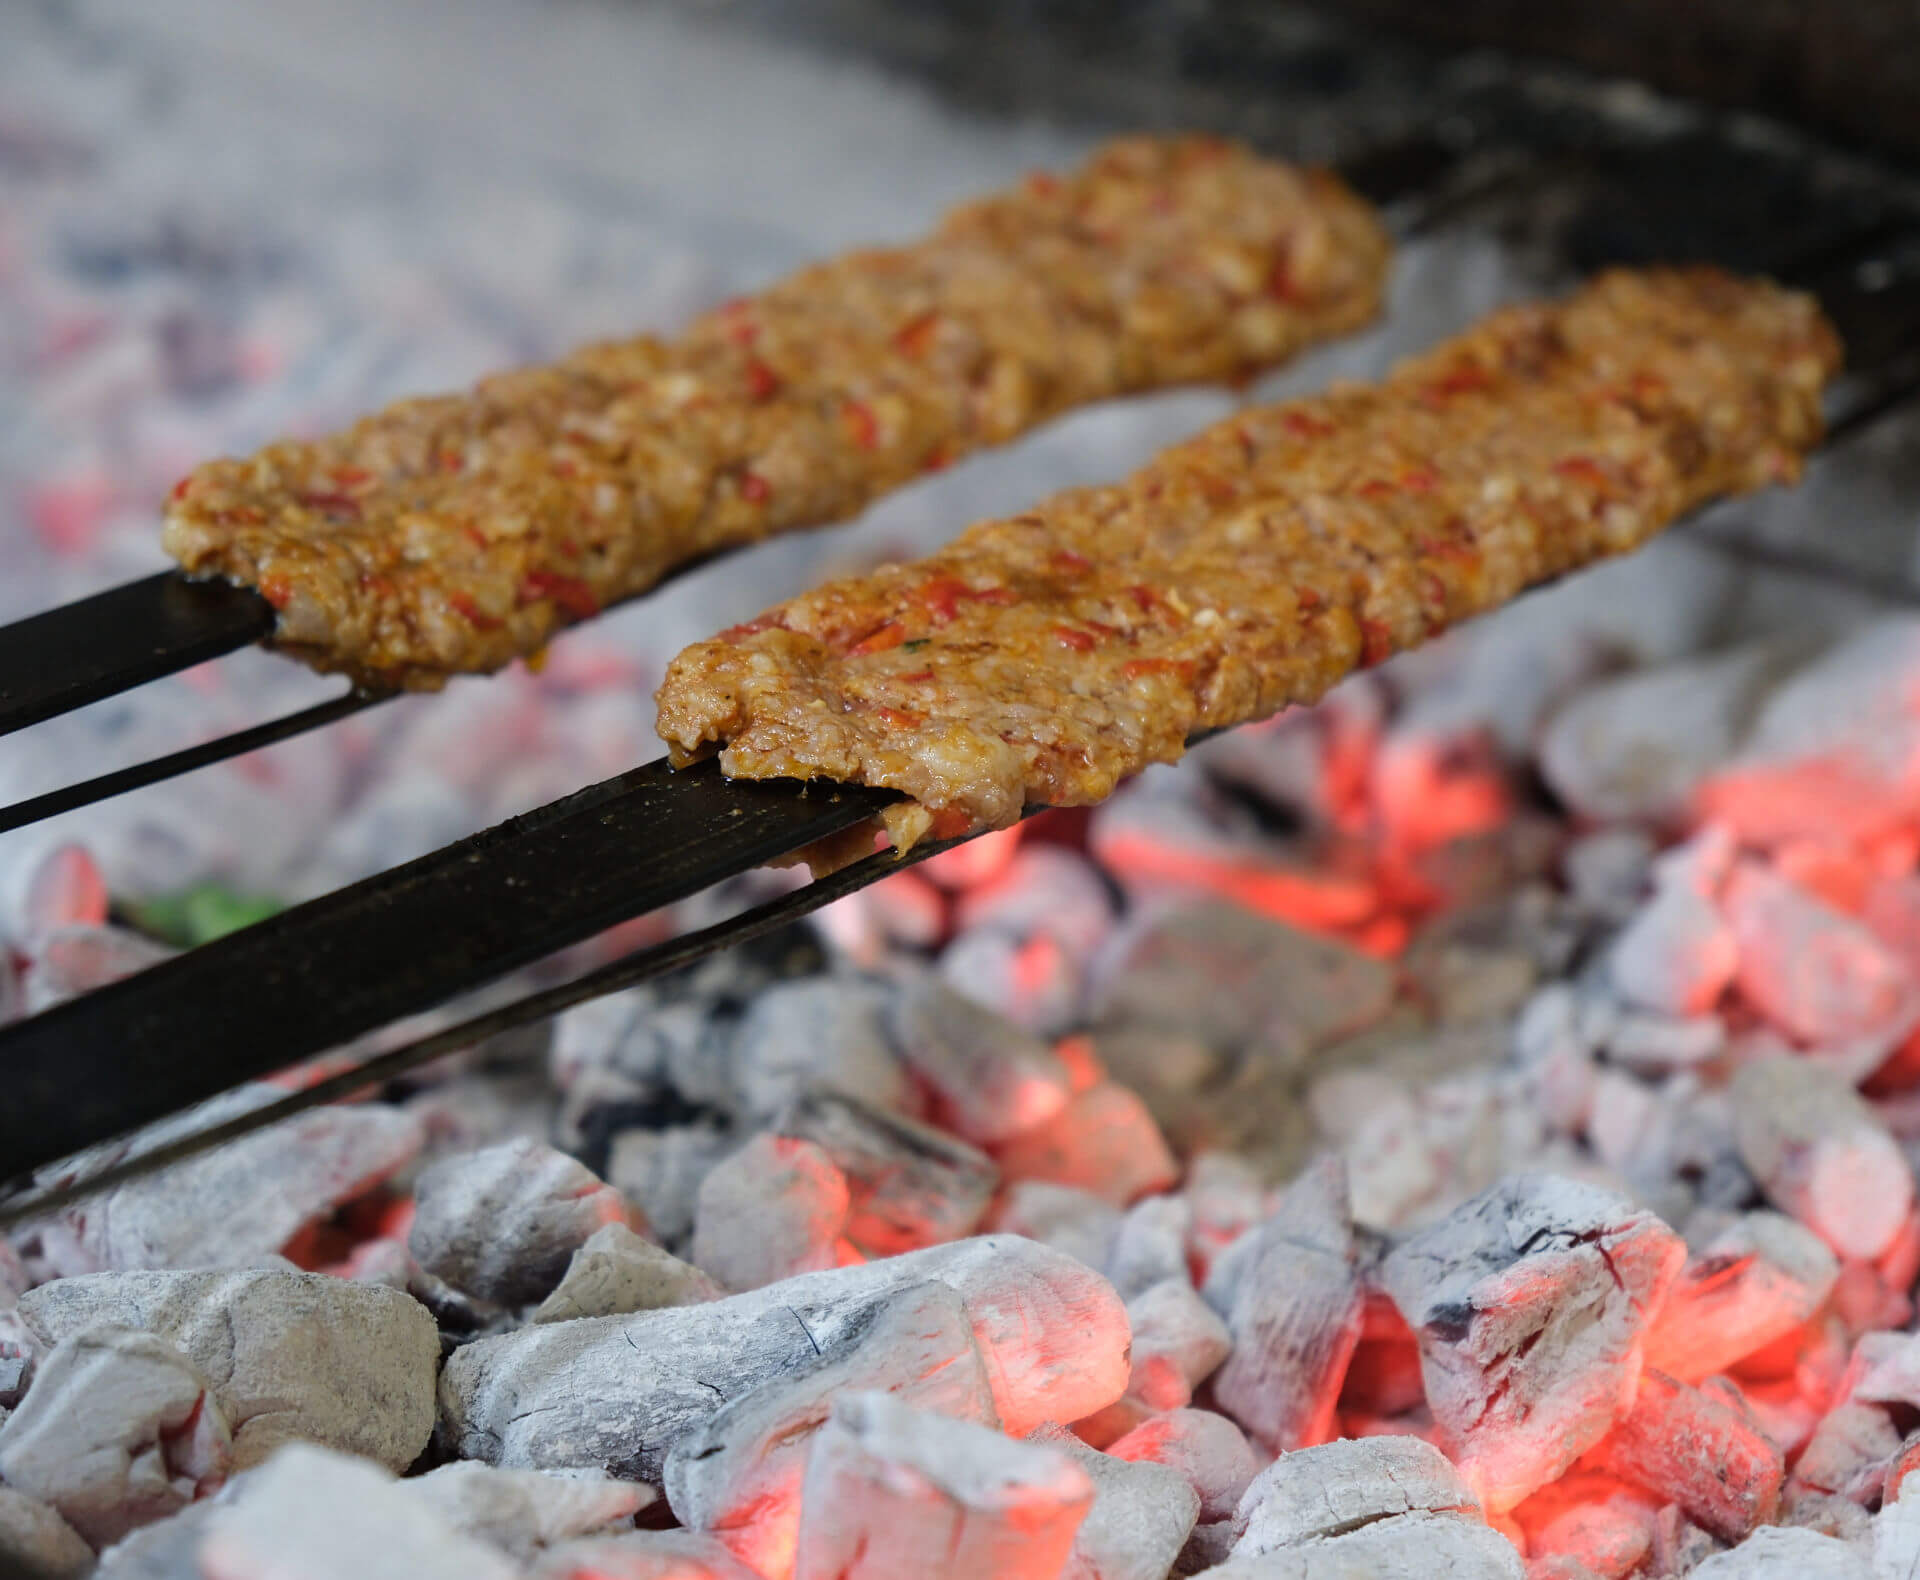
(1633, 749)
(643, 1555)
(894, 1491)
(14, 1281)
(1701, 1449)
(660, 1171)
(1231, 977)
(36, 1541)
(616, 1393)
(616, 1271)
(118, 1431)
(82, 956)
(1820, 975)
(522, 1511)
(1149, 1246)
(1677, 955)
(820, 1032)
(311, 1514)
(289, 1354)
(1780, 1552)
(1896, 1539)
(738, 1475)
(911, 1185)
(1754, 1282)
(1410, 1547)
(1179, 1342)
(502, 1223)
(1850, 1453)
(1034, 981)
(1102, 1140)
(774, 1209)
(234, 1204)
(1679, 1544)
(1821, 1153)
(1141, 1517)
(1063, 1216)
(1292, 1301)
(990, 1079)
(20, 1353)
(1205, 1447)
(1530, 1303)
(1341, 1486)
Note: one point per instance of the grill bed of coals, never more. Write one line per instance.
(1466, 1130)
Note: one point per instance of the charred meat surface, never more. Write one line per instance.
(456, 533)
(1047, 656)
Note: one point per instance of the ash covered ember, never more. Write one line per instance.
(1509, 1187)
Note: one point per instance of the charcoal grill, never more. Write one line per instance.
(1571, 174)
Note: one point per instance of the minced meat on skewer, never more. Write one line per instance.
(458, 532)
(1045, 657)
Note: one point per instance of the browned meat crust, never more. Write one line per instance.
(1045, 657)
(459, 532)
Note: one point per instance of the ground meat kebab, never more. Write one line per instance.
(459, 532)
(1045, 657)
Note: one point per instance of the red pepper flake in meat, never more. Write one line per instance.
(1377, 642)
(1584, 469)
(1079, 641)
(1281, 284)
(332, 503)
(765, 622)
(754, 488)
(1375, 488)
(939, 458)
(1145, 599)
(276, 590)
(890, 635)
(180, 488)
(1419, 479)
(1453, 550)
(1433, 590)
(1135, 668)
(916, 336)
(450, 461)
(1302, 425)
(1308, 598)
(762, 382)
(900, 718)
(1071, 563)
(1463, 380)
(474, 615)
(352, 476)
(475, 536)
(1043, 185)
(861, 425)
(917, 678)
(569, 592)
(566, 467)
(941, 597)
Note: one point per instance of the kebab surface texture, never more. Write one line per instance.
(456, 533)
(1044, 657)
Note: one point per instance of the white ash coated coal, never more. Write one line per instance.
(1467, 1129)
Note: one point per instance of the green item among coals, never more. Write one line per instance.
(199, 914)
